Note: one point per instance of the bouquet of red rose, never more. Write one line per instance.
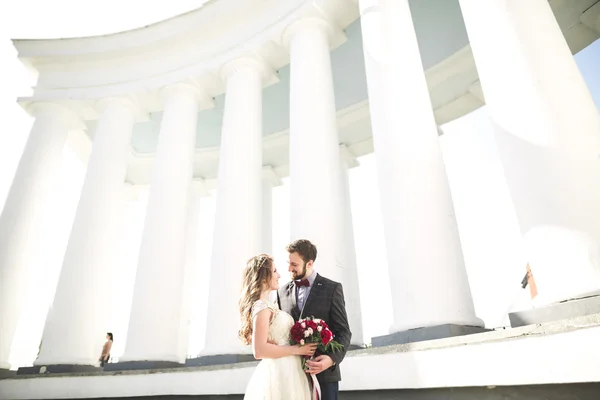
(314, 330)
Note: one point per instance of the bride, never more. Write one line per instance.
(279, 375)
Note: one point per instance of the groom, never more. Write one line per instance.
(312, 295)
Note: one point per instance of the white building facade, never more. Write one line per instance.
(237, 97)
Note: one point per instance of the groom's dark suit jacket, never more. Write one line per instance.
(325, 301)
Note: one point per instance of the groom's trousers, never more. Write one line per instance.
(329, 390)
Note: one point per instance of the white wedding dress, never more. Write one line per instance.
(278, 378)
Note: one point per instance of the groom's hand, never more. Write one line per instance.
(318, 365)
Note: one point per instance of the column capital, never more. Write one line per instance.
(367, 6)
(335, 36)
(270, 176)
(348, 157)
(199, 187)
(253, 62)
(54, 109)
(190, 87)
(129, 103)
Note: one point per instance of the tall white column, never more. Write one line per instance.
(237, 235)
(24, 211)
(316, 184)
(154, 324)
(314, 152)
(75, 326)
(192, 271)
(426, 268)
(123, 268)
(348, 251)
(270, 180)
(547, 130)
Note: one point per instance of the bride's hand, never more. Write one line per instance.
(307, 349)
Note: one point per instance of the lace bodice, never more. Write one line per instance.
(280, 325)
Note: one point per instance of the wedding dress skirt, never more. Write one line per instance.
(278, 378)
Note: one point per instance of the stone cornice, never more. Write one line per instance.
(193, 48)
(591, 17)
(193, 45)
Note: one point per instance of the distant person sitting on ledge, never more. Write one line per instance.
(106, 349)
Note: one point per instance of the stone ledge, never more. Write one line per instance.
(100, 373)
(581, 391)
(58, 369)
(425, 334)
(141, 365)
(556, 312)
(500, 335)
(220, 359)
(577, 391)
(556, 354)
(5, 373)
(572, 324)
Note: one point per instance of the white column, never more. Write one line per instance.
(24, 211)
(192, 271)
(547, 130)
(426, 268)
(75, 326)
(348, 251)
(237, 235)
(123, 268)
(314, 152)
(316, 174)
(269, 181)
(267, 217)
(154, 324)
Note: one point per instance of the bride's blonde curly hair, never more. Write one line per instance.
(258, 272)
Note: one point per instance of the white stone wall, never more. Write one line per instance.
(560, 352)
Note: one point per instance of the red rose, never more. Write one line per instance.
(326, 336)
(311, 324)
(297, 332)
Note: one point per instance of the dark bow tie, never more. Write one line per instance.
(303, 282)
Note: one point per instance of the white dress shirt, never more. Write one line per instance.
(303, 291)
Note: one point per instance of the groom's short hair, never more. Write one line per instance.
(304, 248)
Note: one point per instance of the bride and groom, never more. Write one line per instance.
(266, 326)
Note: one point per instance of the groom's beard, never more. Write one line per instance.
(300, 276)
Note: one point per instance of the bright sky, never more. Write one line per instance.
(488, 228)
